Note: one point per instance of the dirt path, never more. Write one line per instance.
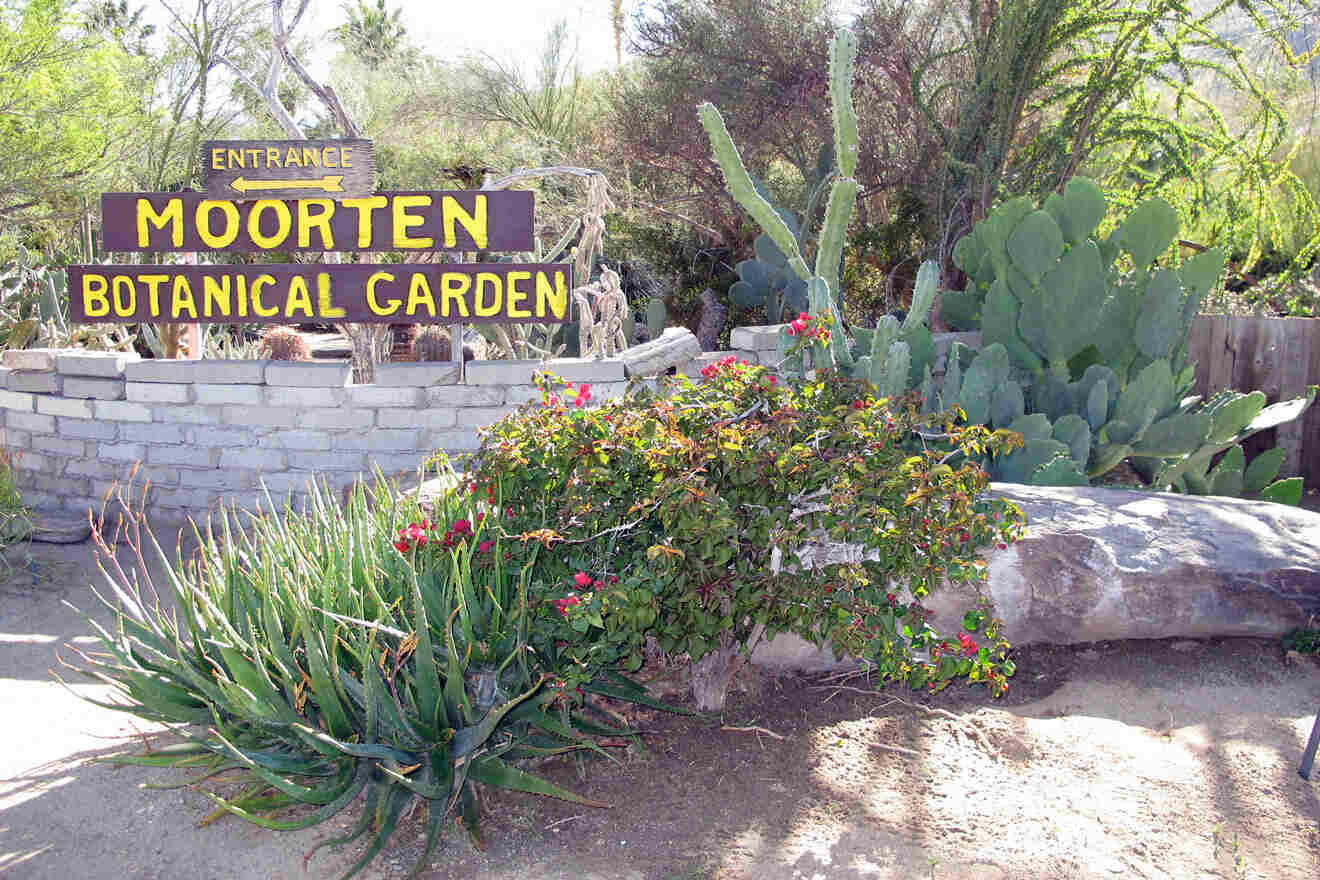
(1124, 759)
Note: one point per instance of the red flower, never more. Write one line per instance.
(583, 394)
(582, 579)
(414, 532)
(552, 400)
(803, 316)
(566, 603)
(461, 527)
(485, 546)
(969, 646)
(402, 546)
(773, 381)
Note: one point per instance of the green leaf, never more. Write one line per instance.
(1263, 469)
(1287, 491)
(1035, 245)
(493, 771)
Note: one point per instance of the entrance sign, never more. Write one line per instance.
(465, 220)
(288, 293)
(337, 169)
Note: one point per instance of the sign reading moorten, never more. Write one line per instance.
(334, 217)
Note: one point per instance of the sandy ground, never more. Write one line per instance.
(1123, 759)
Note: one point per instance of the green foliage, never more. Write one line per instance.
(341, 649)
(697, 507)
(657, 316)
(15, 520)
(373, 34)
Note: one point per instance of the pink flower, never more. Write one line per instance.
(402, 546)
(582, 579)
(566, 603)
(485, 546)
(414, 532)
(583, 395)
(552, 400)
(480, 517)
(461, 527)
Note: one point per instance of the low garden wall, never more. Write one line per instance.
(201, 432)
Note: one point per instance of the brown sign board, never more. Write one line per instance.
(462, 220)
(317, 293)
(333, 169)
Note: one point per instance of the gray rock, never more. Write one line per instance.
(60, 527)
(675, 346)
(1119, 564)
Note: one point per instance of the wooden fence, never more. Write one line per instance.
(1279, 356)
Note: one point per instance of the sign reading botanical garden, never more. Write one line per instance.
(335, 215)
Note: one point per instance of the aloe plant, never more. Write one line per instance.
(325, 660)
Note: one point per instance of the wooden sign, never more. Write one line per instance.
(297, 293)
(332, 169)
(464, 220)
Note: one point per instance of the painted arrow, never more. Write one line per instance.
(329, 183)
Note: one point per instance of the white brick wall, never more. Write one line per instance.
(202, 431)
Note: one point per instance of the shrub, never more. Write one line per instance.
(339, 650)
(284, 344)
(688, 514)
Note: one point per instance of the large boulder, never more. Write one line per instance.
(1120, 564)
(1099, 564)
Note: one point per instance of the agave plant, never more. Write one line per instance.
(335, 650)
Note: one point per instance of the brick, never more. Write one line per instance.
(417, 374)
(58, 406)
(120, 411)
(336, 418)
(275, 417)
(297, 440)
(33, 462)
(607, 391)
(291, 482)
(153, 433)
(17, 400)
(308, 374)
(96, 469)
(453, 440)
(254, 459)
(158, 392)
(755, 338)
(192, 501)
(327, 461)
(243, 395)
(15, 439)
(223, 371)
(37, 424)
(167, 370)
(437, 417)
(401, 465)
(585, 369)
(464, 395)
(106, 364)
(33, 381)
(517, 395)
(378, 396)
(122, 451)
(304, 397)
(384, 439)
(60, 446)
(88, 429)
(30, 358)
(187, 456)
(508, 372)
(100, 389)
(208, 436)
(188, 415)
(217, 478)
(480, 416)
(77, 486)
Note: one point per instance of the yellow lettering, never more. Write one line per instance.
(182, 298)
(217, 158)
(258, 283)
(371, 295)
(474, 223)
(254, 155)
(291, 159)
(299, 298)
(216, 296)
(515, 295)
(321, 220)
(555, 296)
(125, 295)
(324, 305)
(419, 294)
(173, 215)
(282, 224)
(403, 221)
(242, 295)
(203, 220)
(479, 307)
(153, 283)
(234, 158)
(326, 161)
(365, 206)
(453, 288)
(310, 157)
(95, 303)
(272, 157)
(345, 157)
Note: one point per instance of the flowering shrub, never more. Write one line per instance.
(683, 514)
